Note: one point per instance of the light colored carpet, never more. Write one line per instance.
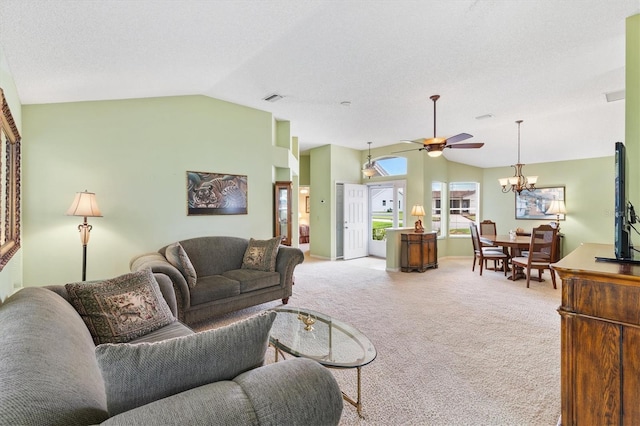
(453, 348)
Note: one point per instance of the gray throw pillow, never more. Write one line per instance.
(122, 308)
(137, 374)
(261, 254)
(176, 256)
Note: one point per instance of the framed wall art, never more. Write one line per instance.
(10, 142)
(216, 193)
(534, 204)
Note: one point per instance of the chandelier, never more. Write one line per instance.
(518, 182)
(369, 168)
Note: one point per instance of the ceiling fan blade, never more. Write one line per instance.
(419, 141)
(467, 145)
(407, 150)
(458, 138)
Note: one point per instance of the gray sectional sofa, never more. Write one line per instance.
(52, 373)
(221, 281)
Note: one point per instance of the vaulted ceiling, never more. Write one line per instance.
(547, 62)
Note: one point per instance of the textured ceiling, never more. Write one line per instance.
(546, 62)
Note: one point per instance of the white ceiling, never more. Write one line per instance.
(547, 62)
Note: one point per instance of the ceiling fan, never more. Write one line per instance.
(435, 145)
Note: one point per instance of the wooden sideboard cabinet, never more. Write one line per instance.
(418, 251)
(600, 338)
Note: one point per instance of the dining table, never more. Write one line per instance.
(512, 247)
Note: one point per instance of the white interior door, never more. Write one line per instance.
(356, 221)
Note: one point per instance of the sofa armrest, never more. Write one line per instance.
(286, 261)
(297, 391)
(160, 266)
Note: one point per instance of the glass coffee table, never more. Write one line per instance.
(333, 343)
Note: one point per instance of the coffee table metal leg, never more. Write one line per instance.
(358, 403)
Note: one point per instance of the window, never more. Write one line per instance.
(463, 204)
(436, 207)
(391, 166)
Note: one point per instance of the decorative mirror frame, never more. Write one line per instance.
(10, 193)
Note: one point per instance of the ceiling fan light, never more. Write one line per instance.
(437, 153)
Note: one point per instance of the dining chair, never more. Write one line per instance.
(488, 227)
(542, 251)
(481, 254)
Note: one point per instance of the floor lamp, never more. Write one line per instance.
(85, 205)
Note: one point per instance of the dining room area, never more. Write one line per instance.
(519, 254)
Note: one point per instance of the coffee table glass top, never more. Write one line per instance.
(309, 334)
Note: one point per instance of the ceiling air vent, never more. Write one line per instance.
(615, 96)
(272, 98)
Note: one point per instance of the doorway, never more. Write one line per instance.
(387, 210)
(363, 214)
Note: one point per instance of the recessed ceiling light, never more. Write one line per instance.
(618, 95)
(272, 98)
(484, 117)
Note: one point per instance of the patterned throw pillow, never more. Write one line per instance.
(121, 309)
(261, 254)
(176, 256)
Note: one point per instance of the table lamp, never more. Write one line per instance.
(418, 211)
(84, 204)
(557, 207)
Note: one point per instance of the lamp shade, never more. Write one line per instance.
(84, 204)
(417, 210)
(557, 207)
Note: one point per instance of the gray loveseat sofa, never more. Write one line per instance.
(222, 284)
(52, 373)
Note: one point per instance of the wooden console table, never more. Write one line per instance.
(600, 338)
(418, 251)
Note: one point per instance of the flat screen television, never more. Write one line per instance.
(622, 237)
(625, 215)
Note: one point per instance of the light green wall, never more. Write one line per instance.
(305, 170)
(321, 232)
(134, 154)
(11, 274)
(330, 165)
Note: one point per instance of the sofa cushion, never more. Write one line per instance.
(214, 287)
(122, 308)
(261, 254)
(176, 256)
(251, 280)
(214, 255)
(137, 374)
